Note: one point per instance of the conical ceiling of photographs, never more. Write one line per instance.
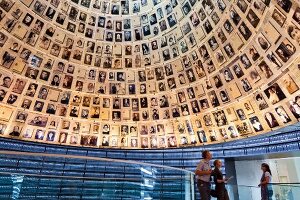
(147, 73)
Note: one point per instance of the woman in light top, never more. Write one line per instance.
(266, 178)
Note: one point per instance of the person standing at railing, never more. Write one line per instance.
(266, 178)
(203, 173)
(220, 190)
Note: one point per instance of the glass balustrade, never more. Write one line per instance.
(21, 186)
(52, 176)
(44, 176)
(281, 191)
(286, 191)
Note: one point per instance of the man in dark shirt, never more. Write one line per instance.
(220, 190)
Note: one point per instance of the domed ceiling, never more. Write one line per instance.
(148, 73)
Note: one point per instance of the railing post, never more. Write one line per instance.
(193, 187)
(189, 187)
(17, 185)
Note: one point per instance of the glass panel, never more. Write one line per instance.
(280, 191)
(81, 177)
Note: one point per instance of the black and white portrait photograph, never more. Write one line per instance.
(274, 93)
(257, 126)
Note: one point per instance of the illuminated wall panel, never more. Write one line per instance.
(147, 74)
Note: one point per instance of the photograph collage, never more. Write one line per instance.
(148, 73)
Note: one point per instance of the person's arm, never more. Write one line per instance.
(201, 173)
(220, 179)
(265, 182)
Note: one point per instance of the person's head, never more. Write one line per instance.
(269, 117)
(2, 36)
(40, 133)
(50, 134)
(271, 91)
(2, 92)
(63, 137)
(297, 99)
(133, 142)
(206, 155)
(218, 163)
(52, 123)
(27, 19)
(6, 81)
(16, 128)
(259, 97)
(261, 41)
(293, 31)
(56, 78)
(44, 74)
(265, 168)
(92, 73)
(280, 111)
(38, 104)
(116, 115)
(44, 91)
(297, 15)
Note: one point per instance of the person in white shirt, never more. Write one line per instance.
(203, 173)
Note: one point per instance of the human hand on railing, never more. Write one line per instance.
(227, 179)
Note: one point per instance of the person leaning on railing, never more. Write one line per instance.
(203, 173)
(266, 192)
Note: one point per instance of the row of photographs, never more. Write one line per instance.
(284, 52)
(34, 29)
(201, 60)
(228, 49)
(66, 131)
(195, 71)
(171, 84)
(27, 28)
(124, 7)
(48, 33)
(65, 138)
(29, 95)
(287, 113)
(56, 49)
(174, 76)
(39, 98)
(129, 7)
(222, 82)
(83, 23)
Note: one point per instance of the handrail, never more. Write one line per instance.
(277, 184)
(93, 158)
(87, 178)
(284, 183)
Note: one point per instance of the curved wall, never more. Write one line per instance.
(142, 74)
(284, 141)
